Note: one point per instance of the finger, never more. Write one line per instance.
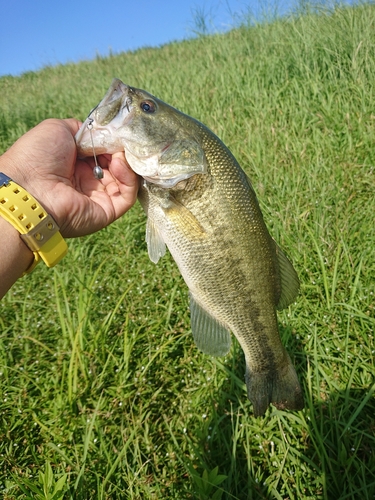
(73, 124)
(122, 172)
(121, 184)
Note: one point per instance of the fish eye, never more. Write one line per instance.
(148, 106)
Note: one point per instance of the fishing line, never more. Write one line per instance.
(97, 170)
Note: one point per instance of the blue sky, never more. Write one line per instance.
(37, 33)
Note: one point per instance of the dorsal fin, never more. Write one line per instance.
(289, 282)
(210, 336)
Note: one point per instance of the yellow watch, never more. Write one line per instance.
(37, 229)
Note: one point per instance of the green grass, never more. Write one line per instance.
(102, 391)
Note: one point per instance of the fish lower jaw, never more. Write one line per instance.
(165, 182)
(84, 151)
(160, 182)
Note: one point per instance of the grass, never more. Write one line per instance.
(102, 391)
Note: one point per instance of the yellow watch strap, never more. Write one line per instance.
(38, 229)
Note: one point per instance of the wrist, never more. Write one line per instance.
(37, 229)
(10, 166)
(27, 178)
(16, 258)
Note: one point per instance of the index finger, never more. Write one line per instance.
(73, 124)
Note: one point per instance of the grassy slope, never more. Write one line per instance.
(99, 375)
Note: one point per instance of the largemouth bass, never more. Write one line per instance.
(201, 205)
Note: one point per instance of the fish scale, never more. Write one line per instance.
(201, 205)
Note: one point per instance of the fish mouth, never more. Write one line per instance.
(109, 129)
(98, 129)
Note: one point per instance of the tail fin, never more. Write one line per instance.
(279, 387)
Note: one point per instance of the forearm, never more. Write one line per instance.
(44, 163)
(15, 257)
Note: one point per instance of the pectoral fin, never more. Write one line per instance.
(184, 221)
(288, 280)
(176, 216)
(210, 336)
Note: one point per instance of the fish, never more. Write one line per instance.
(201, 205)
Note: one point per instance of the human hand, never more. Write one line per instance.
(44, 162)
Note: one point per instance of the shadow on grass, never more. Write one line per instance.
(325, 451)
(341, 443)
